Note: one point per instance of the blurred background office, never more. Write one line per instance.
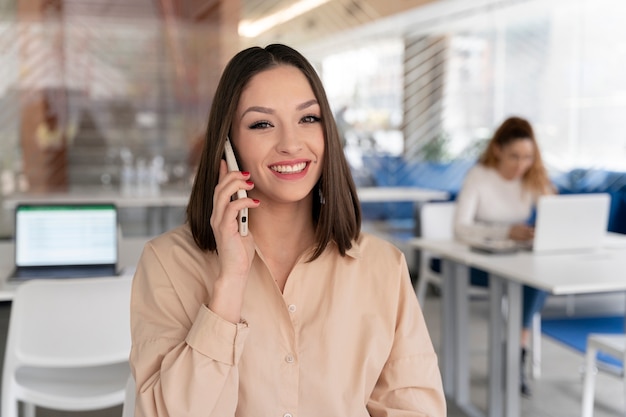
(108, 99)
(112, 95)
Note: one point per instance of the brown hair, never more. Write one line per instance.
(336, 220)
(513, 129)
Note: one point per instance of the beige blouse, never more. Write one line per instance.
(346, 338)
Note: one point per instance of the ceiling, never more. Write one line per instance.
(327, 18)
(330, 18)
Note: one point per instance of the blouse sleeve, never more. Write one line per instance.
(465, 225)
(410, 382)
(183, 365)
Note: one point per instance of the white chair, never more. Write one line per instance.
(128, 410)
(68, 345)
(613, 345)
(436, 222)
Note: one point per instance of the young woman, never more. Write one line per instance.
(304, 316)
(497, 201)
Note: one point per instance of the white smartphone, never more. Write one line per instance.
(231, 161)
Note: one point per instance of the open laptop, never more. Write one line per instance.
(65, 241)
(564, 222)
(571, 222)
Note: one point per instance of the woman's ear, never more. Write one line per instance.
(497, 151)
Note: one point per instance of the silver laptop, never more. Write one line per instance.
(571, 222)
(65, 241)
(564, 222)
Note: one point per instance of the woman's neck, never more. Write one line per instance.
(283, 229)
(506, 175)
(282, 235)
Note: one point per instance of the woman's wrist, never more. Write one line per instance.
(227, 299)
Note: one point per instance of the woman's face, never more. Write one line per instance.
(515, 158)
(278, 133)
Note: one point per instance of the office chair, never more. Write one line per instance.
(128, 410)
(611, 344)
(436, 222)
(68, 345)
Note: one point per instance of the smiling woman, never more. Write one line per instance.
(280, 142)
(305, 314)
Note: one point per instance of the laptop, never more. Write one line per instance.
(571, 222)
(564, 223)
(77, 240)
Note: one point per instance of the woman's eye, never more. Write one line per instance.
(260, 125)
(310, 119)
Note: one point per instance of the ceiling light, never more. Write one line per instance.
(252, 28)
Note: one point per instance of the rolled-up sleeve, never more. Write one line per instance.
(184, 357)
(410, 382)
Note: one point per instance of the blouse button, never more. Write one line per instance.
(287, 415)
(292, 308)
(289, 358)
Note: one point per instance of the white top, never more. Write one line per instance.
(488, 205)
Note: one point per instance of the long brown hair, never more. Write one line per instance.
(338, 218)
(513, 129)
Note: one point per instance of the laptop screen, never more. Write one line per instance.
(571, 222)
(65, 234)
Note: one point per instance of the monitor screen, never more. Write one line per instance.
(72, 234)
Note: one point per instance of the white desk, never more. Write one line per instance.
(129, 252)
(165, 198)
(577, 273)
(399, 194)
(180, 198)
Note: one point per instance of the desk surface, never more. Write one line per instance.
(400, 194)
(601, 270)
(165, 198)
(558, 273)
(180, 198)
(129, 252)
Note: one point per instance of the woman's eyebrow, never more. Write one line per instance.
(267, 110)
(259, 109)
(306, 104)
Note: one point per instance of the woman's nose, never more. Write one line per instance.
(289, 141)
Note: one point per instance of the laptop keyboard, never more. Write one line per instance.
(74, 272)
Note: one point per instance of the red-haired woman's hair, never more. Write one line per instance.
(513, 129)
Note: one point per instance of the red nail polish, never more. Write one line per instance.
(256, 201)
(245, 173)
(249, 182)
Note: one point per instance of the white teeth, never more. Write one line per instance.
(289, 169)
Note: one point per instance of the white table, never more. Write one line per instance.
(399, 194)
(129, 252)
(573, 273)
(159, 204)
(164, 198)
(180, 198)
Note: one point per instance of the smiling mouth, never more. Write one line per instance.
(289, 169)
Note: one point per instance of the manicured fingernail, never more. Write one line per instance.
(249, 182)
(256, 201)
(245, 173)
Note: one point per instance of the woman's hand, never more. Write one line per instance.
(521, 232)
(235, 252)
